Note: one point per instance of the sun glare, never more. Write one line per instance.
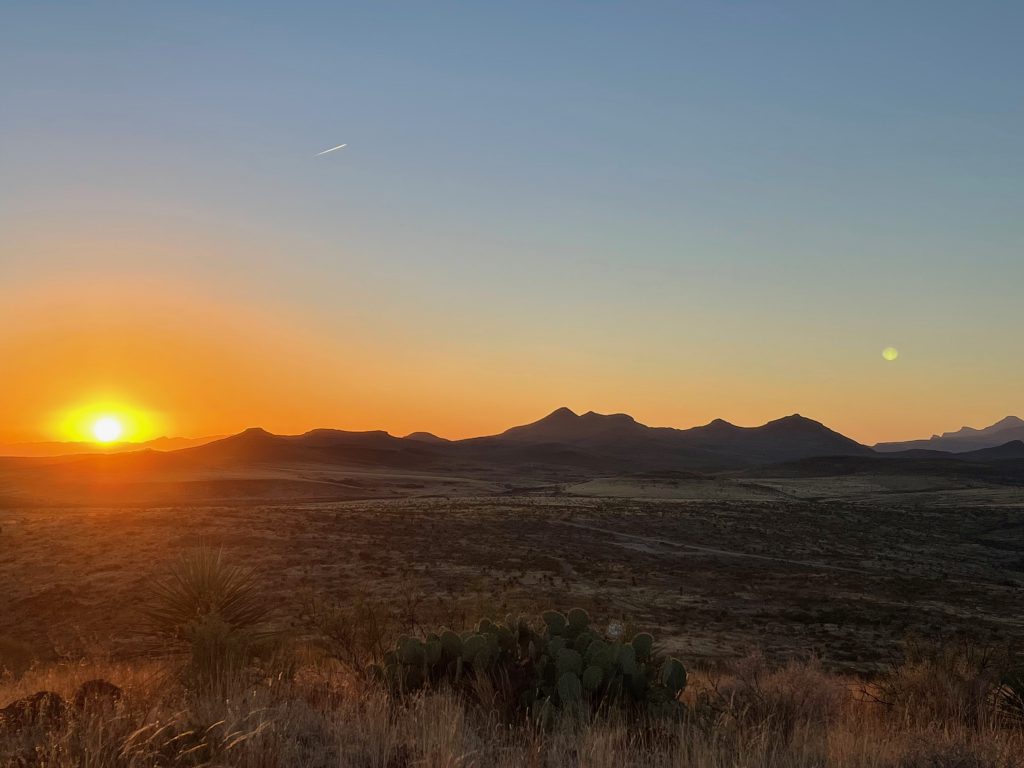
(107, 429)
(108, 421)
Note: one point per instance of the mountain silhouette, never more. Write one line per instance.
(563, 438)
(785, 439)
(565, 426)
(964, 439)
(318, 446)
(427, 437)
(718, 444)
(561, 448)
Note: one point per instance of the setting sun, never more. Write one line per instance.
(107, 429)
(108, 420)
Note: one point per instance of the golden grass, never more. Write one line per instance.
(797, 716)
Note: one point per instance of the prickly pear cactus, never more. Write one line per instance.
(570, 690)
(451, 644)
(578, 619)
(643, 645)
(560, 663)
(557, 623)
(592, 678)
(673, 675)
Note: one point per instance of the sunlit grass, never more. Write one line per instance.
(797, 716)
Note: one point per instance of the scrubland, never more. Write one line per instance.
(813, 634)
(933, 713)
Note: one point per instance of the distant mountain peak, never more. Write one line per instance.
(793, 418)
(1009, 422)
(326, 432)
(796, 421)
(799, 418)
(561, 413)
(254, 432)
(426, 437)
(964, 439)
(565, 425)
(622, 418)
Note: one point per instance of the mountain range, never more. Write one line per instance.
(563, 440)
(714, 445)
(964, 439)
(562, 450)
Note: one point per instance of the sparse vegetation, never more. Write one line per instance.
(214, 611)
(319, 714)
(258, 644)
(567, 665)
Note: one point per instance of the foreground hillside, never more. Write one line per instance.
(838, 611)
(943, 710)
(855, 633)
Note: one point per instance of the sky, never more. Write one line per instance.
(682, 211)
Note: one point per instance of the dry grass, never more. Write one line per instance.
(222, 699)
(756, 716)
(904, 570)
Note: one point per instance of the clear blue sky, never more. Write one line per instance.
(683, 210)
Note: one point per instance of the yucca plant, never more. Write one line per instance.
(1009, 696)
(213, 610)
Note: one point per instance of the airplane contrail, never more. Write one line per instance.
(340, 146)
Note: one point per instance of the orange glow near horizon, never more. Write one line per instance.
(169, 359)
(107, 422)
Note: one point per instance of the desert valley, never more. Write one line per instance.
(788, 537)
(787, 543)
(511, 385)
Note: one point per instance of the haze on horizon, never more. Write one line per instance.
(681, 214)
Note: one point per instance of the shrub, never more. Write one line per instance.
(950, 682)
(784, 698)
(564, 664)
(1009, 696)
(212, 610)
(352, 633)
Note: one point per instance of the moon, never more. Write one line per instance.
(890, 353)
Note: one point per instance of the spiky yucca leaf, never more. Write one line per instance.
(203, 584)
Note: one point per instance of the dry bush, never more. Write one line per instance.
(353, 634)
(783, 699)
(952, 682)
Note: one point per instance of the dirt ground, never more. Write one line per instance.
(847, 580)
